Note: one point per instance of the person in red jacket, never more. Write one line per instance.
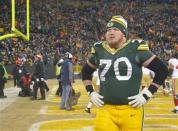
(25, 82)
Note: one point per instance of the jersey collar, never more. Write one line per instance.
(111, 50)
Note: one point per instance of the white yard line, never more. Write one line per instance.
(153, 127)
(43, 110)
(12, 96)
(54, 89)
(52, 93)
(36, 126)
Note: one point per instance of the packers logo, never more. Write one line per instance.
(110, 24)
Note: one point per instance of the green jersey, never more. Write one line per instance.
(120, 70)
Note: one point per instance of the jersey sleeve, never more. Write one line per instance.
(143, 52)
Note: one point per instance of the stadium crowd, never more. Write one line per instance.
(59, 27)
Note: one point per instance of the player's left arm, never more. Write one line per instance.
(160, 70)
(152, 62)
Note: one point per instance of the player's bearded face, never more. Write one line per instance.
(114, 36)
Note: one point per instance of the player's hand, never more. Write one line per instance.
(96, 99)
(140, 99)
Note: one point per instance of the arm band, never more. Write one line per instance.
(87, 72)
(89, 89)
(160, 70)
(152, 89)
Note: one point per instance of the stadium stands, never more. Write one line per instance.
(58, 26)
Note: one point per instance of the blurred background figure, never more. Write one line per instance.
(39, 78)
(3, 78)
(146, 77)
(173, 67)
(25, 83)
(18, 71)
(67, 81)
(167, 87)
(58, 75)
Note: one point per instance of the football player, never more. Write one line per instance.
(173, 66)
(119, 61)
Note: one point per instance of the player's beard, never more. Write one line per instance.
(115, 44)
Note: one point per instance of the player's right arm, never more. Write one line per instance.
(87, 72)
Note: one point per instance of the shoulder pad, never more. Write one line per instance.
(142, 45)
(98, 43)
(93, 49)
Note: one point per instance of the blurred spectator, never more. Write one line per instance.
(18, 71)
(39, 78)
(67, 82)
(3, 78)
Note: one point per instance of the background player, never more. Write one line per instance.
(173, 65)
(146, 78)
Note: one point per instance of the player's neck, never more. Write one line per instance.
(122, 42)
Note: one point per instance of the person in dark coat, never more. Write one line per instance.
(39, 78)
(18, 71)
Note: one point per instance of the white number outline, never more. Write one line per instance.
(108, 64)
